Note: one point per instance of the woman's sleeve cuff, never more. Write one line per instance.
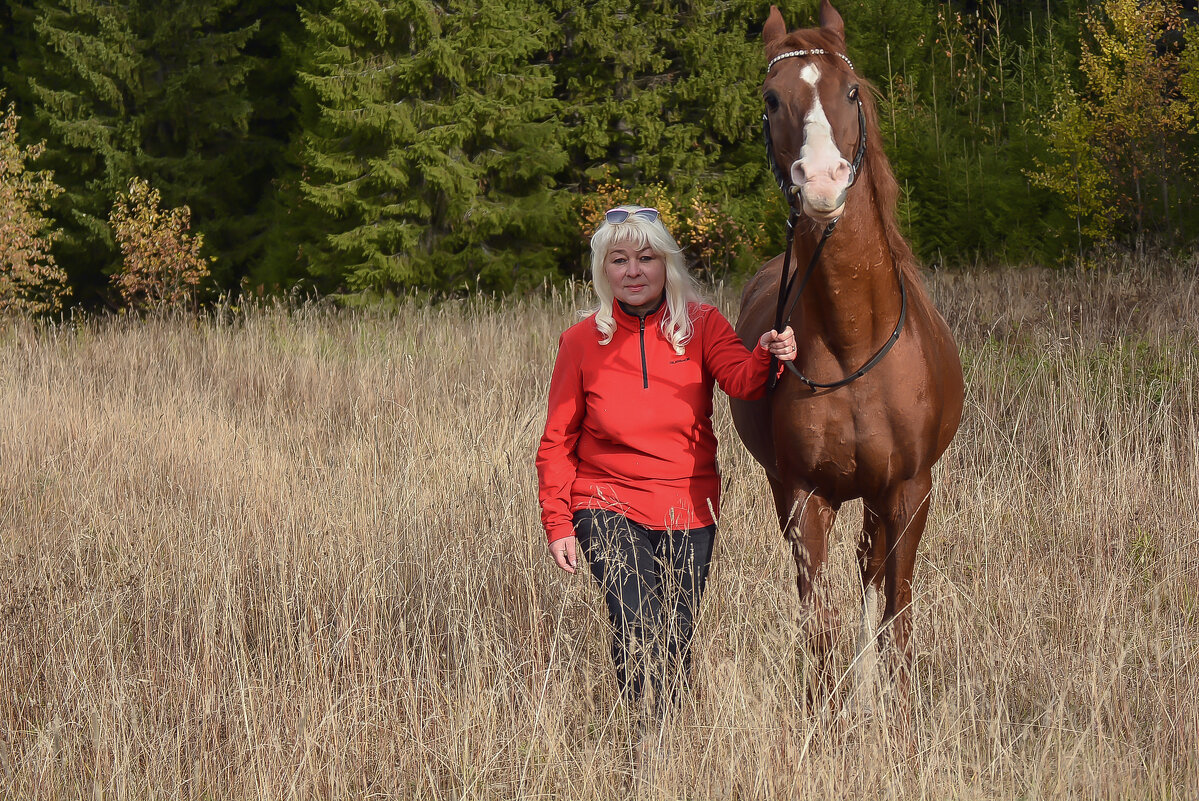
(559, 532)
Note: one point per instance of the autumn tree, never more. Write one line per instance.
(1118, 139)
(30, 281)
(1189, 82)
(162, 266)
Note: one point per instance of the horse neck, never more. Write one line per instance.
(854, 292)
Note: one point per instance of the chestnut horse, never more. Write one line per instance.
(875, 395)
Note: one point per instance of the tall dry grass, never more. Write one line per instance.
(288, 554)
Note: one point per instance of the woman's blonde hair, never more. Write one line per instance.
(681, 288)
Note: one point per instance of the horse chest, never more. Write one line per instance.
(840, 445)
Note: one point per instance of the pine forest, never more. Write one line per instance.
(376, 148)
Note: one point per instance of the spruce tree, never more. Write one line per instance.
(8, 40)
(435, 148)
(270, 176)
(667, 93)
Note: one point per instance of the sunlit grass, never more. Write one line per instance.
(296, 553)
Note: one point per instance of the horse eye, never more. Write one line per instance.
(772, 101)
(853, 92)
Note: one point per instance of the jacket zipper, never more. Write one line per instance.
(644, 370)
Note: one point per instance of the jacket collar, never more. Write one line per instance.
(627, 319)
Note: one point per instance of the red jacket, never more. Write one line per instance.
(629, 427)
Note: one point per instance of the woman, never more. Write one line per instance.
(627, 464)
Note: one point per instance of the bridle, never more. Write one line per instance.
(786, 280)
(784, 179)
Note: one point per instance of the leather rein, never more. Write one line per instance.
(786, 279)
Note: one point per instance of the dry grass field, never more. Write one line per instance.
(296, 554)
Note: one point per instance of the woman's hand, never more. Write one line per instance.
(781, 346)
(563, 553)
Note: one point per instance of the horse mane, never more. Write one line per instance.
(878, 166)
(886, 189)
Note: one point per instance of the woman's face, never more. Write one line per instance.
(637, 277)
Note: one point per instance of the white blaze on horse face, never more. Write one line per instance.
(821, 173)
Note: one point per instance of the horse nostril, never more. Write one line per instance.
(799, 175)
(843, 172)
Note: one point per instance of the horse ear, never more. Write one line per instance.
(831, 20)
(775, 28)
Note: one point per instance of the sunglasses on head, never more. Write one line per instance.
(615, 216)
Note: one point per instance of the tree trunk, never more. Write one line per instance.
(1139, 242)
(1166, 193)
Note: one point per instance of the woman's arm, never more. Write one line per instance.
(741, 372)
(556, 457)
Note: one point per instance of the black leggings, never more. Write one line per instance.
(652, 582)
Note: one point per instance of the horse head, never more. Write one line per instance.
(814, 120)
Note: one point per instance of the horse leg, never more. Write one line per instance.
(872, 555)
(806, 518)
(904, 518)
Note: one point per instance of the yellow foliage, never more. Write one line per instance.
(1120, 131)
(162, 266)
(30, 281)
(710, 237)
